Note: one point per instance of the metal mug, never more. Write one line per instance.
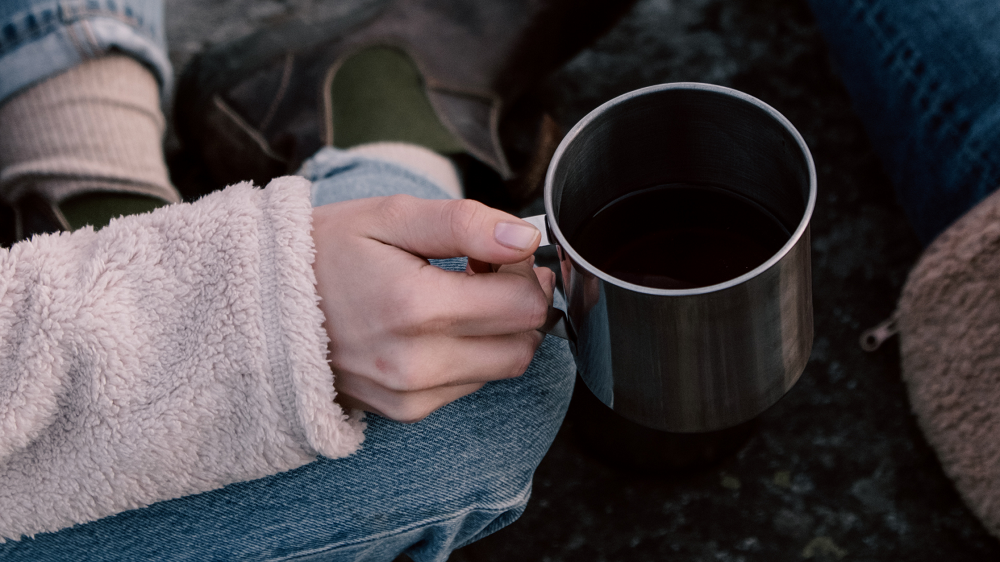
(700, 359)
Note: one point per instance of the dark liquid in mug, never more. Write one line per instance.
(679, 236)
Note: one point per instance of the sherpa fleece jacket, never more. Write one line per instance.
(166, 354)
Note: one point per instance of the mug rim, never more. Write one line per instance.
(793, 240)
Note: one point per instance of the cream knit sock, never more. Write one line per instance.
(423, 161)
(96, 127)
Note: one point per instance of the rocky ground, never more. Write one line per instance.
(838, 470)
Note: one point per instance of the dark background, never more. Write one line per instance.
(838, 470)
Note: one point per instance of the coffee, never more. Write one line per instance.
(679, 236)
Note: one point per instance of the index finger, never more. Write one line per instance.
(452, 228)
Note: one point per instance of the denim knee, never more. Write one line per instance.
(923, 75)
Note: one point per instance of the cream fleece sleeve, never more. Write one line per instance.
(167, 354)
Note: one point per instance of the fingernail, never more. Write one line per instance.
(517, 236)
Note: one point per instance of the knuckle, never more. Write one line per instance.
(415, 309)
(404, 309)
(393, 209)
(539, 312)
(415, 368)
(411, 411)
(464, 217)
(546, 276)
(407, 378)
(524, 357)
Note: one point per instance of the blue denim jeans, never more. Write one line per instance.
(424, 489)
(40, 38)
(925, 79)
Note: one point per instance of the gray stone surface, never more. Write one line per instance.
(193, 25)
(838, 470)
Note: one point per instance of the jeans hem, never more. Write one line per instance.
(70, 42)
(520, 500)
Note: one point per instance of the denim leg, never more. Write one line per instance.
(925, 79)
(424, 489)
(40, 38)
(340, 175)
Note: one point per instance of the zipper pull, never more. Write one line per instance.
(873, 338)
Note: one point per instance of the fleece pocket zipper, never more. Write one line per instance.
(873, 338)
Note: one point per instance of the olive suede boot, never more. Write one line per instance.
(259, 106)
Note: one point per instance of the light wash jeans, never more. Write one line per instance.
(423, 489)
(40, 38)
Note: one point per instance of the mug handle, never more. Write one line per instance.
(556, 322)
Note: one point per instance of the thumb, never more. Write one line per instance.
(452, 228)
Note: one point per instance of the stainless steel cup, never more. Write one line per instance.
(697, 359)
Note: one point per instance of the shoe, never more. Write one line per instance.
(258, 107)
(92, 202)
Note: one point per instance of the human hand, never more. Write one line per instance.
(406, 337)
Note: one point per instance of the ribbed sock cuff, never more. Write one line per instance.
(98, 126)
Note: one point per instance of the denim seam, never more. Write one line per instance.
(72, 12)
(72, 32)
(520, 499)
(66, 15)
(34, 31)
(489, 529)
(89, 33)
(83, 15)
(66, 33)
(969, 157)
